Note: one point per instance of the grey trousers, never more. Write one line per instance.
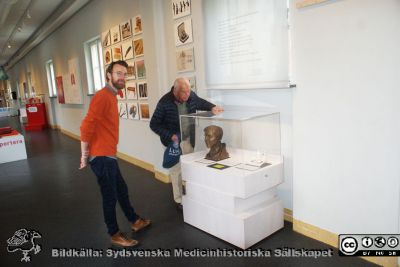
(175, 173)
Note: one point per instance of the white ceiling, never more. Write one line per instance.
(25, 23)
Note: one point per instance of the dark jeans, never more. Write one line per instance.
(113, 188)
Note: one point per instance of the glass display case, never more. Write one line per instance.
(255, 130)
(231, 166)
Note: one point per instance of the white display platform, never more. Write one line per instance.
(242, 230)
(12, 148)
(229, 203)
(234, 180)
(237, 203)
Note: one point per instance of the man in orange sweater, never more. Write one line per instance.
(99, 139)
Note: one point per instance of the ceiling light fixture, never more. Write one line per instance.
(18, 27)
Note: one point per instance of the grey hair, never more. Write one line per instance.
(179, 82)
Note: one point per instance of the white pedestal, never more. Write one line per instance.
(242, 229)
(12, 148)
(236, 204)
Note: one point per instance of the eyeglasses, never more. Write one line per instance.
(121, 74)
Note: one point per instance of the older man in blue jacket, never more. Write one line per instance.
(180, 100)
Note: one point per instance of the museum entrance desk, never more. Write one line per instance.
(12, 147)
(234, 199)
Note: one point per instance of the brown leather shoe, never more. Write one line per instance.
(120, 240)
(139, 224)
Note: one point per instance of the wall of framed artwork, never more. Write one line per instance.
(183, 39)
(125, 42)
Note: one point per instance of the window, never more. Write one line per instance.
(94, 65)
(51, 79)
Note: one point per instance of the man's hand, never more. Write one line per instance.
(217, 109)
(84, 161)
(85, 154)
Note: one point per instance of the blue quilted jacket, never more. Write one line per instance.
(165, 119)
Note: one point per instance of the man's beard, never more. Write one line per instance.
(119, 84)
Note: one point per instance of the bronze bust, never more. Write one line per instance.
(213, 136)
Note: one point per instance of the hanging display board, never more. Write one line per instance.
(246, 44)
(73, 86)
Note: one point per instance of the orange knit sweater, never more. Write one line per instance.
(100, 127)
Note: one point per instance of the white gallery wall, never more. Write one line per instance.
(346, 127)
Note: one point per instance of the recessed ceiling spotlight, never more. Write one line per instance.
(28, 15)
(9, 45)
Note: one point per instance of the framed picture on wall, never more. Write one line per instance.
(126, 29)
(60, 89)
(180, 8)
(185, 60)
(131, 73)
(142, 90)
(183, 32)
(127, 50)
(107, 55)
(138, 46)
(131, 91)
(116, 52)
(133, 110)
(106, 38)
(137, 25)
(122, 110)
(140, 69)
(115, 34)
(144, 111)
